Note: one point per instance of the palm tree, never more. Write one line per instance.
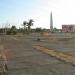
(29, 24)
(24, 24)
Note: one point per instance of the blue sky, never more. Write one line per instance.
(16, 11)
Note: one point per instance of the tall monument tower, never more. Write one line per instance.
(51, 22)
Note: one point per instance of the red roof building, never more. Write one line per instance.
(68, 28)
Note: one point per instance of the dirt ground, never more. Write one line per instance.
(23, 59)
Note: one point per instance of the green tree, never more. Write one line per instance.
(38, 30)
(12, 30)
(29, 24)
(55, 29)
(24, 24)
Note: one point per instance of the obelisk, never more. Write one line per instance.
(51, 22)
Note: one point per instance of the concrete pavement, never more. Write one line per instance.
(29, 61)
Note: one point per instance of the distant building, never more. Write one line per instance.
(68, 28)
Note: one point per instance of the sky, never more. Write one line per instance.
(14, 12)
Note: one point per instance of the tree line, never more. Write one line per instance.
(25, 30)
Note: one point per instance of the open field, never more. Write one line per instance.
(24, 59)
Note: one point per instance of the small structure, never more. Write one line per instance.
(68, 28)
